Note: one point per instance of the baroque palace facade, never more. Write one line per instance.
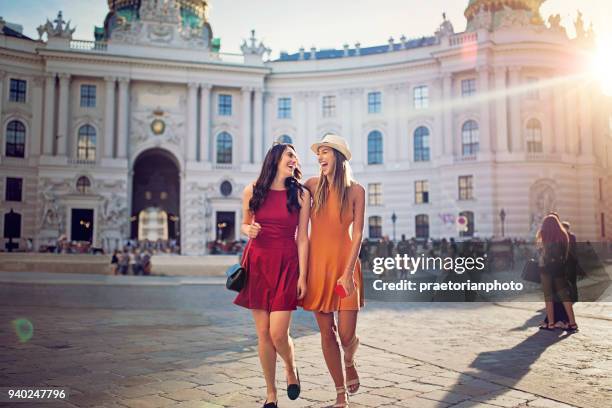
(151, 132)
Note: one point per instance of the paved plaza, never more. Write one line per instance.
(170, 342)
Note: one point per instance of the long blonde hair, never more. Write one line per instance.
(342, 178)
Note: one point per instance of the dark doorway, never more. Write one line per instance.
(225, 226)
(156, 183)
(82, 225)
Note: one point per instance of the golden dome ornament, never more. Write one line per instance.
(158, 126)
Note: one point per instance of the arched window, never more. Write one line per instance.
(15, 139)
(375, 147)
(86, 145)
(534, 136)
(421, 144)
(285, 139)
(224, 148)
(421, 225)
(468, 231)
(375, 226)
(83, 185)
(469, 138)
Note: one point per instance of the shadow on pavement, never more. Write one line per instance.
(511, 363)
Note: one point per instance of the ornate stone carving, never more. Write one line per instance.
(114, 211)
(542, 201)
(61, 29)
(446, 28)
(252, 48)
(160, 24)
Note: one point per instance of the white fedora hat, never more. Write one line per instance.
(335, 142)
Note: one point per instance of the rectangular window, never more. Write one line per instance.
(18, 91)
(421, 192)
(533, 91)
(600, 189)
(468, 87)
(329, 106)
(421, 97)
(603, 224)
(14, 188)
(466, 187)
(284, 108)
(88, 96)
(374, 102)
(225, 105)
(375, 194)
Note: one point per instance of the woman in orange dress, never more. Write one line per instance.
(335, 239)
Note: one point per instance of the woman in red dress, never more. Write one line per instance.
(274, 207)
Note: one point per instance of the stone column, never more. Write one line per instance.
(516, 128)
(2, 78)
(571, 131)
(586, 123)
(449, 137)
(109, 117)
(62, 119)
(245, 136)
(204, 122)
(501, 110)
(390, 106)
(37, 116)
(123, 118)
(49, 122)
(191, 138)
(360, 140)
(436, 140)
(485, 110)
(300, 119)
(312, 100)
(559, 118)
(258, 125)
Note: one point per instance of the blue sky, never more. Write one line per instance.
(289, 24)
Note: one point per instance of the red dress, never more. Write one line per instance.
(272, 258)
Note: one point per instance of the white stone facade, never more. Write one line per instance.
(519, 71)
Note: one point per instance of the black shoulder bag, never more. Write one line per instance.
(237, 273)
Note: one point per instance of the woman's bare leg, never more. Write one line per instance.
(279, 332)
(331, 350)
(347, 327)
(267, 352)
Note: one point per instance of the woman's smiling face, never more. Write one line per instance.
(288, 163)
(327, 160)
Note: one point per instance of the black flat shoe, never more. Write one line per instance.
(270, 404)
(293, 390)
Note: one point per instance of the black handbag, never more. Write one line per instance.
(237, 274)
(531, 271)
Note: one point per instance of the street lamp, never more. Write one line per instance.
(393, 220)
(502, 217)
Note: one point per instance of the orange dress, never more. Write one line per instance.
(329, 252)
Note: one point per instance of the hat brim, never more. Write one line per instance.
(339, 148)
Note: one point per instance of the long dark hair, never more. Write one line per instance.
(268, 172)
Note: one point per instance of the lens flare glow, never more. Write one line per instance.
(24, 329)
(602, 64)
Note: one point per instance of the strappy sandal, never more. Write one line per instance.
(571, 328)
(270, 404)
(345, 404)
(547, 326)
(353, 384)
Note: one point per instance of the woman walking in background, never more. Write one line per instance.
(553, 245)
(335, 239)
(273, 208)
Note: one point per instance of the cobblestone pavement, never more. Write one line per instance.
(187, 346)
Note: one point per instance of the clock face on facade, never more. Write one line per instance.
(158, 126)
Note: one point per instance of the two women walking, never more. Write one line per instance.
(286, 268)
